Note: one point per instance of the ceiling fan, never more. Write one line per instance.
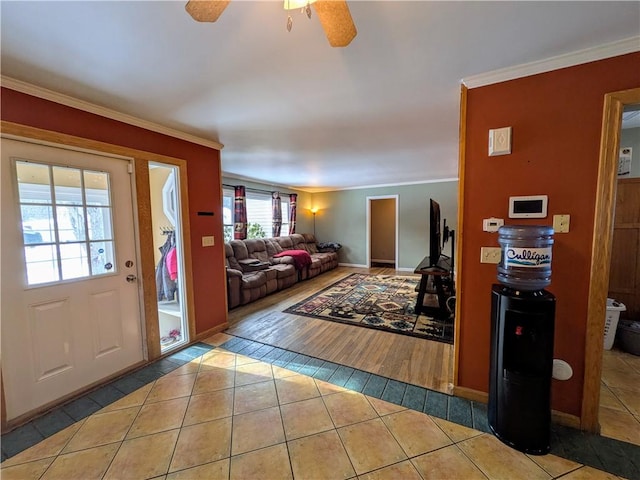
(334, 16)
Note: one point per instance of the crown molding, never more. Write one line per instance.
(234, 176)
(45, 94)
(383, 185)
(621, 47)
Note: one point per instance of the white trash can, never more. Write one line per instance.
(611, 323)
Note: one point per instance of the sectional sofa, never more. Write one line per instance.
(259, 266)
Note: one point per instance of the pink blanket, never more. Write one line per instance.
(301, 258)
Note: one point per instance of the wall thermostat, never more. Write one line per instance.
(534, 206)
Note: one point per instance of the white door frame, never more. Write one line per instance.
(368, 235)
(175, 217)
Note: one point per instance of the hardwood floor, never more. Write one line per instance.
(408, 359)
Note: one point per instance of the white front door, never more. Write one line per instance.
(70, 305)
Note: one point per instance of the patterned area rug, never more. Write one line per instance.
(384, 302)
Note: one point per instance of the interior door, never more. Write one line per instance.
(70, 303)
(624, 278)
(383, 231)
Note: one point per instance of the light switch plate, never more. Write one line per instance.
(561, 223)
(208, 241)
(490, 254)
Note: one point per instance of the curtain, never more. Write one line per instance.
(240, 213)
(293, 197)
(276, 214)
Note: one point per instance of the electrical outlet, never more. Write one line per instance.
(561, 223)
(490, 254)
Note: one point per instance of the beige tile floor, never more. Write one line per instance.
(227, 416)
(620, 396)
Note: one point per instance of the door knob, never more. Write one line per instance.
(131, 278)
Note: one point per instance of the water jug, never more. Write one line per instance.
(525, 260)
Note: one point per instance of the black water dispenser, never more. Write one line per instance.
(522, 331)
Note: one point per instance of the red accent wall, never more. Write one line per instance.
(557, 120)
(204, 183)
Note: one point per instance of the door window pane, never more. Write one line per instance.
(99, 223)
(73, 259)
(68, 185)
(96, 186)
(102, 258)
(37, 224)
(67, 224)
(71, 224)
(34, 184)
(42, 264)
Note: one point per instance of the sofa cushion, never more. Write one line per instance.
(257, 248)
(310, 242)
(254, 280)
(230, 259)
(286, 243)
(273, 247)
(239, 249)
(298, 242)
(283, 270)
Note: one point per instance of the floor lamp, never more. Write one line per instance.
(314, 210)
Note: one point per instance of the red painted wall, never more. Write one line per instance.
(204, 183)
(557, 120)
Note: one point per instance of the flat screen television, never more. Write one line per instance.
(435, 237)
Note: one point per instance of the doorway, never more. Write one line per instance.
(614, 104)
(382, 231)
(70, 295)
(619, 413)
(164, 188)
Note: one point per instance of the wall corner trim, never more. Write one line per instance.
(45, 94)
(614, 49)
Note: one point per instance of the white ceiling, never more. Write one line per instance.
(289, 109)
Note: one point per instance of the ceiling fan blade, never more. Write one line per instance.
(206, 10)
(335, 18)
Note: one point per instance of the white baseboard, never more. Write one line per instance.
(356, 265)
(405, 269)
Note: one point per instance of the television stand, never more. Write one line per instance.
(440, 273)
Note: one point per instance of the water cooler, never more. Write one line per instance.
(522, 330)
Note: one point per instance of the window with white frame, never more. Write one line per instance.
(259, 214)
(67, 223)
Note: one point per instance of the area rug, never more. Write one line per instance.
(384, 302)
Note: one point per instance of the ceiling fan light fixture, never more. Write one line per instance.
(304, 5)
(293, 4)
(333, 15)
